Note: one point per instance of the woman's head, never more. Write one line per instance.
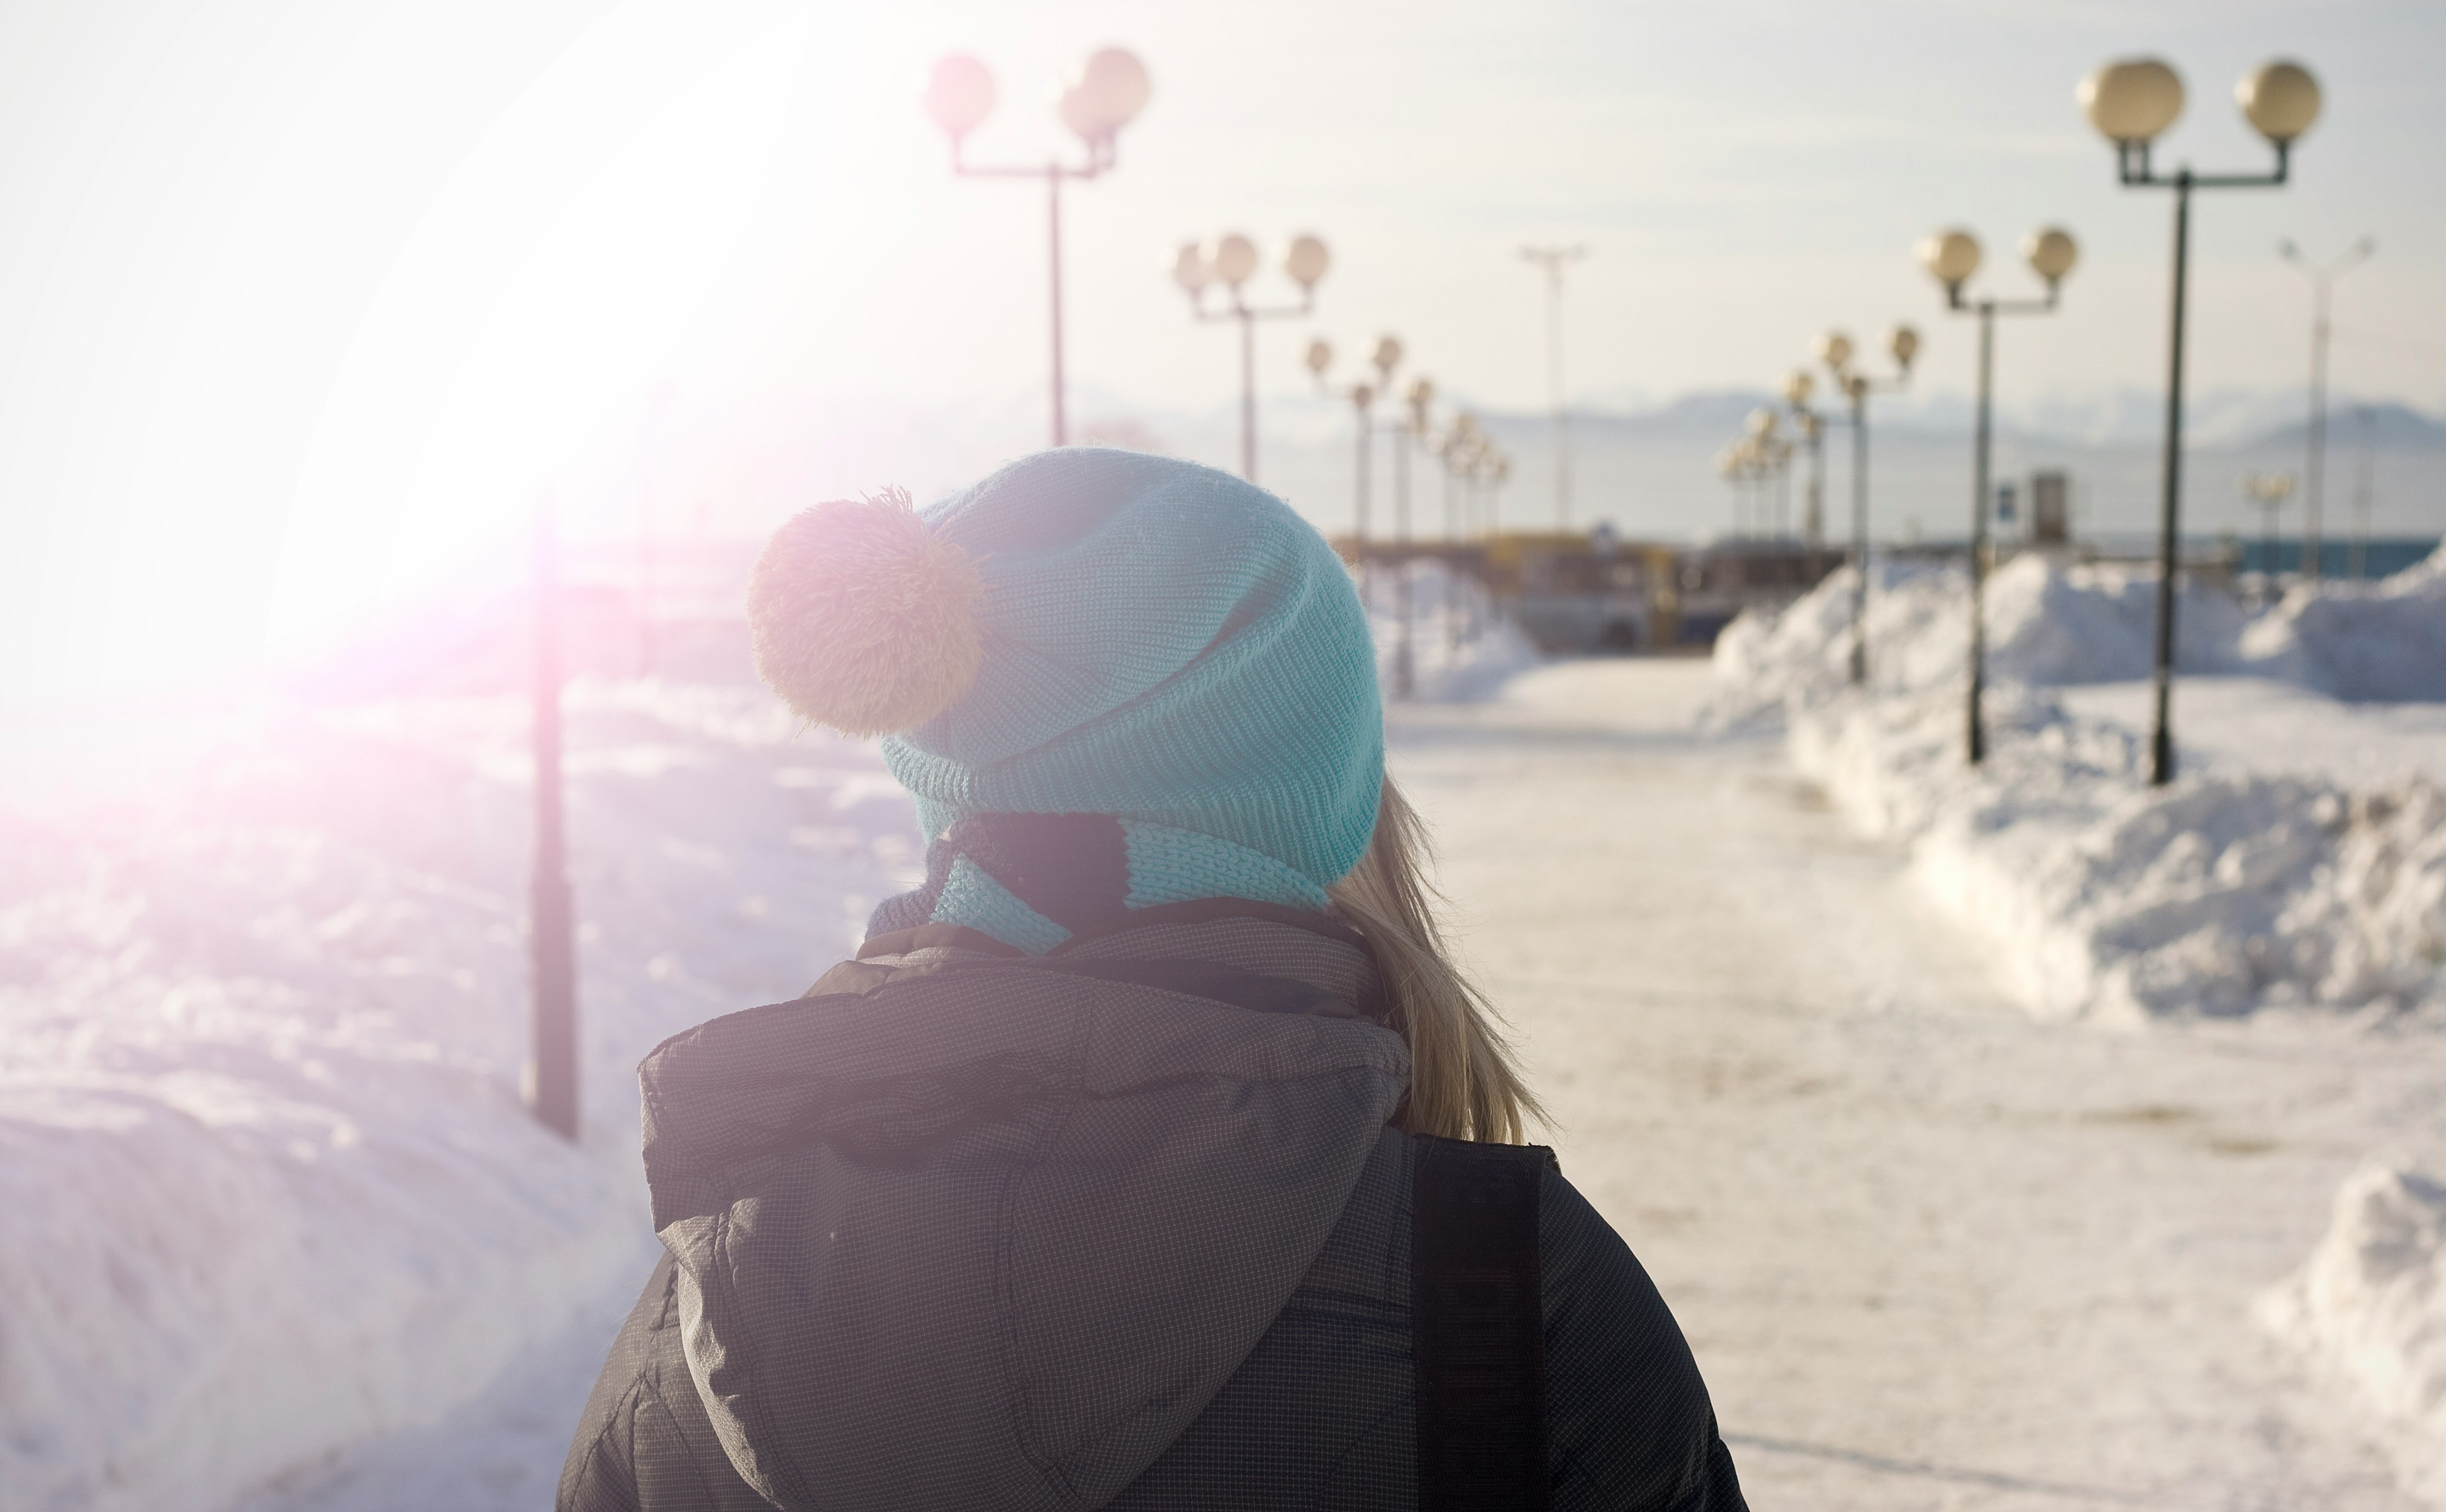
(1102, 632)
(1155, 640)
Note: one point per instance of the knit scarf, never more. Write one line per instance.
(1032, 880)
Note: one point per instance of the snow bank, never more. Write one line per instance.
(270, 1184)
(2101, 896)
(2371, 1305)
(2057, 624)
(1461, 651)
(2234, 890)
(2048, 624)
(2383, 641)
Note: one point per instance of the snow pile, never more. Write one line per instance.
(2224, 893)
(2048, 624)
(2057, 624)
(2371, 1304)
(269, 1184)
(1463, 650)
(2383, 641)
(2235, 888)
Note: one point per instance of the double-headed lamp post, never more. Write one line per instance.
(1797, 390)
(1952, 257)
(1759, 458)
(2132, 103)
(2268, 492)
(1385, 357)
(1107, 94)
(1457, 447)
(1834, 350)
(1229, 261)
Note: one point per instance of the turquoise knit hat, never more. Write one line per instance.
(1151, 640)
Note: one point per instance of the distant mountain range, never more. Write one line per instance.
(1650, 471)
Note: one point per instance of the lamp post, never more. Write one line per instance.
(552, 1065)
(1230, 260)
(1757, 464)
(2359, 563)
(1107, 94)
(2268, 492)
(1385, 357)
(1452, 448)
(1952, 257)
(2314, 493)
(1732, 465)
(1773, 455)
(1834, 350)
(2132, 103)
(1413, 431)
(1554, 260)
(1811, 426)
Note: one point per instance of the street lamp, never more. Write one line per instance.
(2269, 491)
(1229, 261)
(1406, 433)
(2322, 282)
(1384, 358)
(1758, 457)
(1456, 447)
(1106, 94)
(552, 1064)
(2132, 103)
(1811, 426)
(1553, 260)
(1834, 350)
(1773, 461)
(1952, 257)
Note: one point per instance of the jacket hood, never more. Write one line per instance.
(964, 1229)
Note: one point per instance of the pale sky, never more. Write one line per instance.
(298, 298)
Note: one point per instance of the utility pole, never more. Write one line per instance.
(552, 1071)
(1555, 260)
(2314, 494)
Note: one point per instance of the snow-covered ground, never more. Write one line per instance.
(2300, 861)
(279, 1222)
(284, 1239)
(1460, 650)
(262, 1023)
(2298, 864)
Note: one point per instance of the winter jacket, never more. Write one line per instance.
(1123, 1226)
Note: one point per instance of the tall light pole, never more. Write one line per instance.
(1106, 95)
(1411, 431)
(1554, 260)
(2268, 493)
(552, 1065)
(1385, 357)
(1797, 390)
(2359, 563)
(2314, 491)
(2132, 103)
(1952, 257)
(1230, 260)
(1834, 350)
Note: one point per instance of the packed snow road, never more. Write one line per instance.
(1931, 1253)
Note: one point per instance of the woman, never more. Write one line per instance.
(1151, 1154)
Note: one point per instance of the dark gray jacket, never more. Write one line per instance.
(1126, 1226)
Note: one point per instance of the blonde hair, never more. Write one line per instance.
(1465, 1080)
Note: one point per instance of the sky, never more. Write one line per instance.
(301, 302)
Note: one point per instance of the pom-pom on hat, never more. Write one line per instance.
(1091, 632)
(863, 620)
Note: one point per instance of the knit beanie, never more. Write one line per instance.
(1111, 681)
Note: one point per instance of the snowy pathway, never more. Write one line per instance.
(1931, 1253)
